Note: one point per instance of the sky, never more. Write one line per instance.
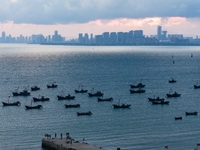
(71, 17)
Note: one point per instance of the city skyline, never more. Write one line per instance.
(92, 16)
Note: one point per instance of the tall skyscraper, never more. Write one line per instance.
(3, 36)
(159, 32)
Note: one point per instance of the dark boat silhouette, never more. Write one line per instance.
(17, 103)
(25, 92)
(121, 106)
(160, 102)
(191, 113)
(175, 94)
(53, 85)
(72, 105)
(156, 99)
(40, 99)
(172, 80)
(84, 113)
(97, 93)
(35, 88)
(104, 99)
(137, 91)
(33, 107)
(139, 85)
(68, 97)
(178, 118)
(80, 91)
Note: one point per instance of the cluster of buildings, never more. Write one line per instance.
(133, 37)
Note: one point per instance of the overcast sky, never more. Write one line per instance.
(71, 17)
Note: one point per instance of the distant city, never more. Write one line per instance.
(133, 37)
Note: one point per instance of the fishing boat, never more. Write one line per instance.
(41, 99)
(80, 90)
(53, 85)
(17, 103)
(84, 113)
(33, 107)
(72, 105)
(155, 99)
(160, 102)
(191, 113)
(139, 85)
(35, 88)
(178, 118)
(172, 80)
(104, 99)
(121, 106)
(97, 93)
(25, 92)
(137, 91)
(68, 97)
(175, 94)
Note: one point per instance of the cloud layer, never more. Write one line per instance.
(82, 11)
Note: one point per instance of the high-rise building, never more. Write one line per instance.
(159, 32)
(80, 38)
(3, 37)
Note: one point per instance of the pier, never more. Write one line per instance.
(66, 144)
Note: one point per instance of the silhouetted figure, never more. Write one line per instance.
(55, 135)
(61, 135)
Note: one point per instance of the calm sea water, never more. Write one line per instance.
(111, 70)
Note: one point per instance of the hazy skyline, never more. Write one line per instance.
(71, 17)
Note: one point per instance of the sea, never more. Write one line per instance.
(110, 69)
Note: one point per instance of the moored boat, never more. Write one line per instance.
(191, 113)
(178, 118)
(17, 103)
(80, 91)
(68, 97)
(72, 105)
(160, 102)
(139, 85)
(53, 85)
(25, 92)
(121, 106)
(33, 107)
(155, 99)
(137, 91)
(175, 94)
(172, 80)
(84, 113)
(97, 93)
(196, 86)
(35, 88)
(42, 98)
(104, 99)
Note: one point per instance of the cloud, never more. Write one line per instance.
(83, 11)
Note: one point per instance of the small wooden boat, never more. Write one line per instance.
(84, 113)
(72, 105)
(156, 99)
(104, 99)
(25, 92)
(121, 106)
(53, 85)
(97, 93)
(137, 91)
(68, 97)
(196, 86)
(160, 102)
(80, 91)
(178, 118)
(35, 88)
(191, 113)
(172, 81)
(33, 107)
(139, 85)
(175, 94)
(41, 99)
(17, 103)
